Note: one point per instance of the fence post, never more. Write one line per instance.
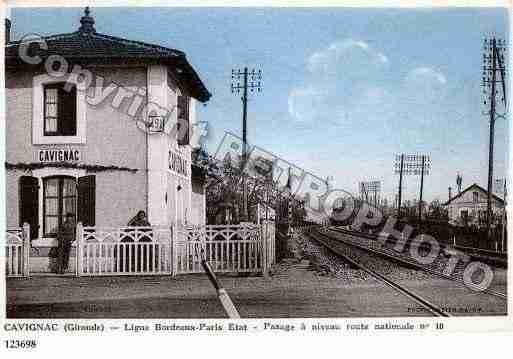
(26, 249)
(174, 259)
(263, 240)
(79, 249)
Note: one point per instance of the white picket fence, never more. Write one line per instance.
(123, 251)
(161, 250)
(157, 250)
(227, 248)
(269, 235)
(17, 251)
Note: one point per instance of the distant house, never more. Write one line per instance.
(469, 206)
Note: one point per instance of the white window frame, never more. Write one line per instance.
(38, 118)
(41, 174)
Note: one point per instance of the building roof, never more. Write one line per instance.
(473, 186)
(87, 45)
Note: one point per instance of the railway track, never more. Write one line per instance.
(487, 256)
(347, 250)
(334, 246)
(431, 269)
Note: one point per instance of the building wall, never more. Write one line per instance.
(466, 203)
(113, 139)
(11, 197)
(179, 205)
(198, 214)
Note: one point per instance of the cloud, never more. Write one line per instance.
(343, 52)
(354, 86)
(336, 76)
(423, 87)
(421, 74)
(302, 102)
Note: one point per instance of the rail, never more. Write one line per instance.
(432, 308)
(412, 263)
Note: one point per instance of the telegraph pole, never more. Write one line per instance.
(254, 84)
(493, 62)
(490, 152)
(504, 218)
(372, 188)
(289, 205)
(399, 166)
(421, 188)
(415, 165)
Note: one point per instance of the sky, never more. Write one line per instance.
(343, 89)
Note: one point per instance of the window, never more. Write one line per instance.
(482, 216)
(58, 116)
(475, 197)
(59, 199)
(183, 120)
(60, 110)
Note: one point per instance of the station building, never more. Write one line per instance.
(470, 206)
(102, 135)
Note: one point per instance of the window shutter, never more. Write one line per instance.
(86, 202)
(29, 203)
(183, 120)
(68, 111)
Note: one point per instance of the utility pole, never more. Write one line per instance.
(399, 166)
(493, 62)
(255, 78)
(289, 204)
(504, 219)
(370, 187)
(415, 165)
(363, 192)
(421, 189)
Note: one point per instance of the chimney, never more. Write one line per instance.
(7, 31)
(87, 23)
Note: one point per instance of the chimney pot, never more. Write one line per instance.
(87, 23)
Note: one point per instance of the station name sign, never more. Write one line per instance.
(58, 155)
(177, 163)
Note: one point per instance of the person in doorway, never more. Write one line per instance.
(140, 220)
(144, 252)
(66, 236)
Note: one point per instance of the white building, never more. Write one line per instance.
(102, 143)
(470, 205)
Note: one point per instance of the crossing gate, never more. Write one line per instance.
(227, 248)
(266, 218)
(165, 250)
(17, 251)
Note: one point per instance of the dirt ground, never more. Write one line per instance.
(294, 290)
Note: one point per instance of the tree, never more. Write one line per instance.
(224, 188)
(437, 211)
